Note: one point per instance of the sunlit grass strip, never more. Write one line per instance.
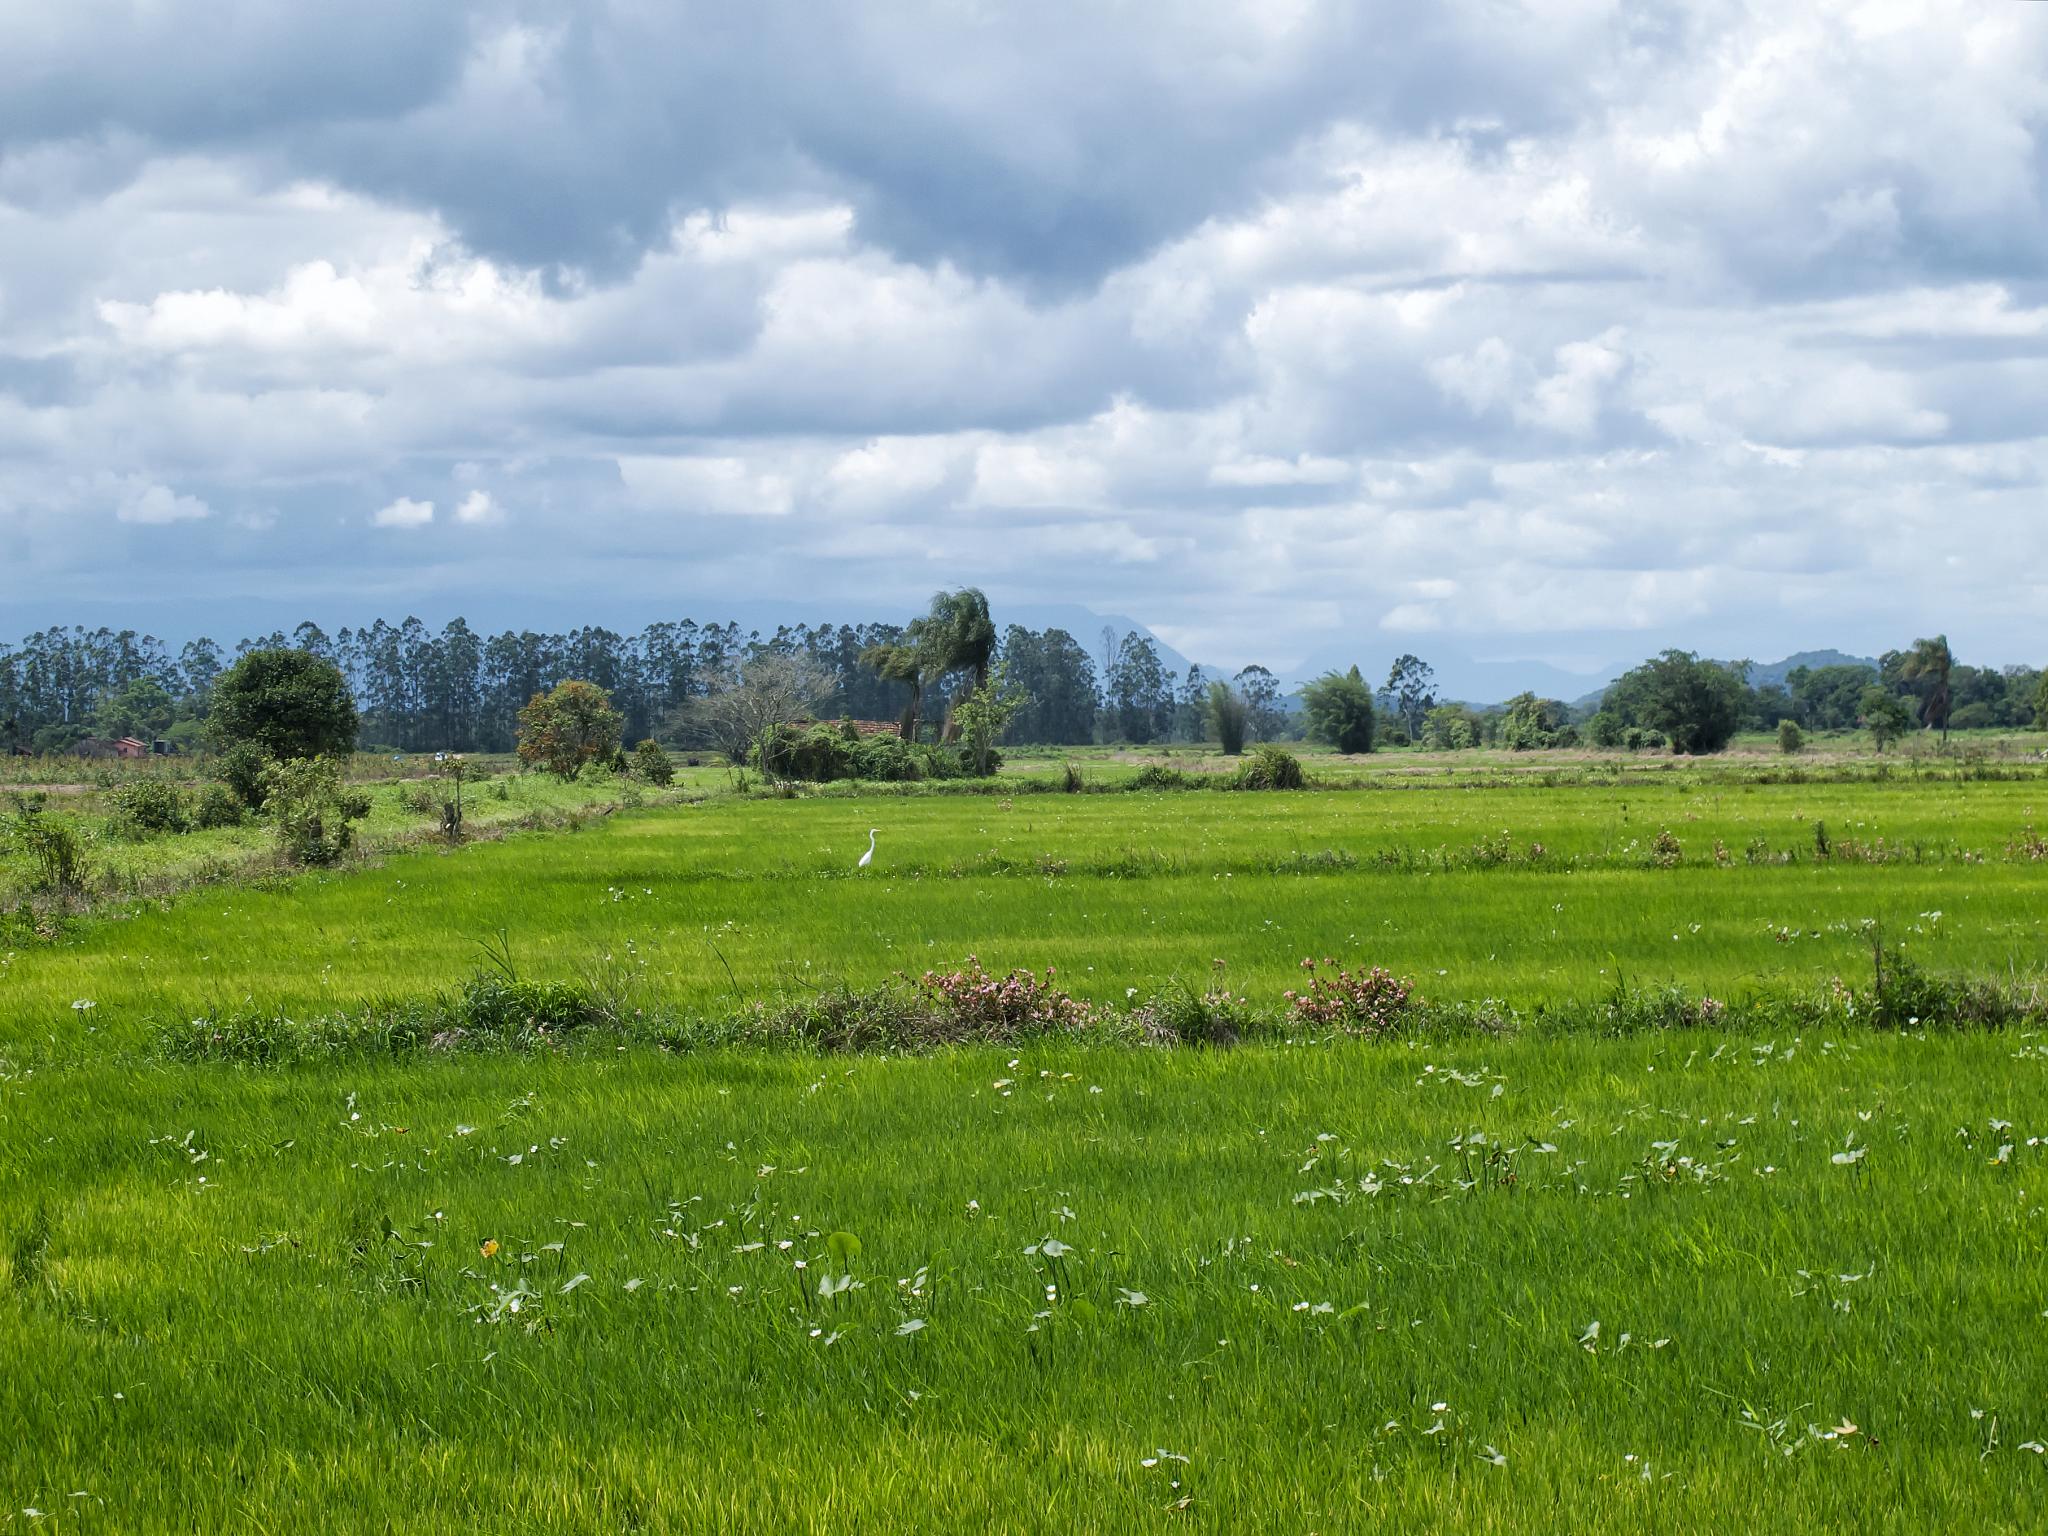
(727, 904)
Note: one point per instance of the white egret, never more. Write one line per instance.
(864, 858)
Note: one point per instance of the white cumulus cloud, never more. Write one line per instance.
(142, 502)
(404, 513)
(478, 508)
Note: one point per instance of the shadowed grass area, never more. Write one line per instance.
(1688, 1282)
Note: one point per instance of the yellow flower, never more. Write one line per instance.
(490, 1249)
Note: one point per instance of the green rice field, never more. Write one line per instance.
(1549, 1279)
(1529, 894)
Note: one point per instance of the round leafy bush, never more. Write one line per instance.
(1270, 767)
(1159, 776)
(242, 768)
(652, 764)
(146, 806)
(219, 806)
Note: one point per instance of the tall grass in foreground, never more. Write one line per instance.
(1680, 1283)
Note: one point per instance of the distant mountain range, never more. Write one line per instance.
(1762, 675)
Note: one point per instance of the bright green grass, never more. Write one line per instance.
(1117, 891)
(119, 865)
(217, 1334)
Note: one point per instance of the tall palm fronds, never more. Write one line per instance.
(900, 664)
(957, 633)
(1930, 662)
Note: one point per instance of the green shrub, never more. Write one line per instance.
(653, 765)
(241, 768)
(816, 755)
(889, 1017)
(1790, 738)
(270, 1037)
(145, 807)
(1270, 767)
(1228, 715)
(419, 797)
(218, 806)
(310, 810)
(819, 754)
(51, 845)
(1630, 1010)
(1159, 776)
(495, 1004)
(1183, 1016)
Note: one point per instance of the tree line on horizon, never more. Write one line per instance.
(458, 690)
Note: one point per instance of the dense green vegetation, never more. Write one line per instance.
(1682, 1282)
(1667, 1175)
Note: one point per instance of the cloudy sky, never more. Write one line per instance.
(1558, 328)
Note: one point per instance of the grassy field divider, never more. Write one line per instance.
(496, 1011)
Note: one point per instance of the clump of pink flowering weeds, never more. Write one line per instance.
(981, 1004)
(1370, 1002)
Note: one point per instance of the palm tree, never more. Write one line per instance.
(1930, 661)
(900, 664)
(956, 634)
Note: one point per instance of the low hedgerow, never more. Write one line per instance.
(894, 1016)
(505, 1006)
(490, 1011)
(966, 1006)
